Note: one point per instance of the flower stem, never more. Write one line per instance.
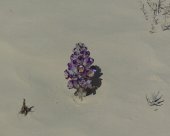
(80, 93)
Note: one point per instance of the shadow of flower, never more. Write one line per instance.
(96, 81)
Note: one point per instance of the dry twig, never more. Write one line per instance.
(25, 109)
(155, 100)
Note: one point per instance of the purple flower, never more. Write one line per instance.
(70, 84)
(79, 71)
(66, 73)
(88, 61)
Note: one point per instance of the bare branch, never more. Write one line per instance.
(24, 109)
(155, 100)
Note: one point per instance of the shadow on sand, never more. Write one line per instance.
(96, 81)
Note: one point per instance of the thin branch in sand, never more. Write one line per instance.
(25, 109)
(155, 99)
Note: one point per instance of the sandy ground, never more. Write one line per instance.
(36, 40)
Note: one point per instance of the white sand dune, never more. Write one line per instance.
(36, 40)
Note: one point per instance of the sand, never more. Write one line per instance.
(36, 40)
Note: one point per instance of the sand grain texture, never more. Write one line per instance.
(36, 40)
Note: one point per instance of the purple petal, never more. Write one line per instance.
(85, 83)
(88, 61)
(72, 67)
(81, 81)
(69, 66)
(70, 84)
(73, 57)
(82, 52)
(66, 73)
(88, 84)
(87, 53)
(75, 84)
(76, 53)
(74, 62)
(80, 59)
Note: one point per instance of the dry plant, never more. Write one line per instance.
(155, 99)
(25, 109)
(157, 12)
